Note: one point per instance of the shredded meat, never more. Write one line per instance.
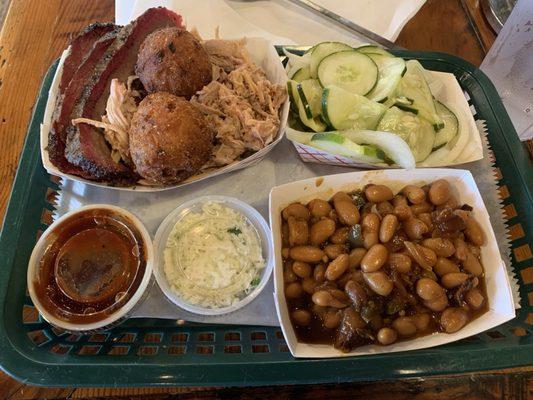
(120, 108)
(241, 105)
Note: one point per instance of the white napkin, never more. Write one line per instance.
(281, 21)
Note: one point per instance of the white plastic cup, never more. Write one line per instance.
(122, 313)
(164, 230)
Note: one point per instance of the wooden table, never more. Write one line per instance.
(34, 34)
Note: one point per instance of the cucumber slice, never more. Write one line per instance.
(316, 124)
(301, 74)
(349, 70)
(414, 86)
(391, 70)
(310, 93)
(405, 107)
(292, 100)
(344, 110)
(371, 49)
(336, 143)
(417, 132)
(296, 60)
(405, 101)
(322, 50)
(451, 126)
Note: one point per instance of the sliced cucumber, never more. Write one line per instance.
(292, 100)
(344, 110)
(414, 86)
(405, 107)
(336, 143)
(406, 101)
(310, 93)
(316, 124)
(371, 49)
(301, 74)
(451, 126)
(322, 50)
(390, 70)
(349, 70)
(295, 60)
(417, 132)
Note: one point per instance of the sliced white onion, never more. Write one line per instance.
(394, 146)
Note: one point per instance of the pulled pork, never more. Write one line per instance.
(120, 108)
(241, 105)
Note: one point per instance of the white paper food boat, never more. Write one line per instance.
(448, 92)
(262, 53)
(501, 306)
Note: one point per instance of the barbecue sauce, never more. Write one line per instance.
(93, 265)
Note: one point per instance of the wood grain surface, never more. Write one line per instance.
(34, 34)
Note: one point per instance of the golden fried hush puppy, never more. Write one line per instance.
(169, 139)
(173, 60)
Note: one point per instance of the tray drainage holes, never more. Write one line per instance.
(73, 338)
(58, 332)
(89, 350)
(527, 275)
(179, 337)
(260, 348)
(60, 349)
(126, 337)
(232, 337)
(98, 337)
(523, 253)
(279, 335)
(55, 179)
(258, 336)
(29, 314)
(205, 349)
(495, 335)
(147, 350)
(47, 217)
(176, 350)
(233, 349)
(153, 337)
(206, 337)
(38, 337)
(519, 331)
(283, 348)
(50, 196)
(119, 350)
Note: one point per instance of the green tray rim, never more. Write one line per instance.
(433, 361)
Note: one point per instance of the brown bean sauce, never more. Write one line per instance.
(93, 265)
(374, 311)
(317, 333)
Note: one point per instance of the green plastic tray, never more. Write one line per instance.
(145, 352)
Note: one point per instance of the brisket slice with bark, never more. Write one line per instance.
(86, 146)
(80, 47)
(67, 98)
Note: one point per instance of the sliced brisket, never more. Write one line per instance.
(86, 146)
(80, 48)
(91, 47)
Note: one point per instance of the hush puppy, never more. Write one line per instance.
(169, 139)
(172, 60)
